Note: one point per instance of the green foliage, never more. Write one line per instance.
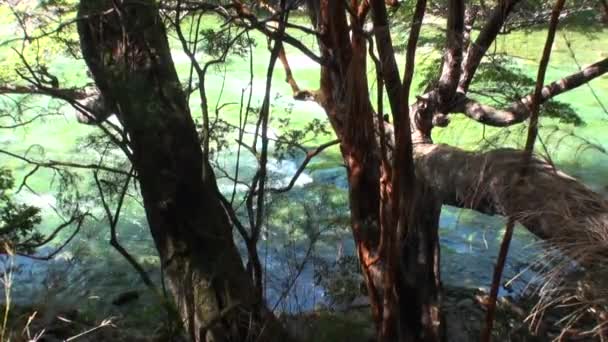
(430, 73)
(220, 138)
(315, 211)
(501, 81)
(562, 111)
(401, 19)
(579, 15)
(17, 221)
(215, 43)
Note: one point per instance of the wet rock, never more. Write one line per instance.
(125, 298)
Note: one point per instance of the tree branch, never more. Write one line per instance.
(519, 111)
(549, 203)
(386, 54)
(309, 156)
(79, 220)
(52, 164)
(282, 55)
(74, 93)
(245, 13)
(113, 220)
(452, 60)
(486, 37)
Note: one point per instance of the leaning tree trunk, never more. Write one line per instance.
(126, 48)
(549, 203)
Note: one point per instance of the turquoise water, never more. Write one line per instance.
(89, 273)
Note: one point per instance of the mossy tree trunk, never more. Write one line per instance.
(126, 49)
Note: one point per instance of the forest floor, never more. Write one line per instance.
(464, 311)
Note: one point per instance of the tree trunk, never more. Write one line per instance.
(420, 295)
(604, 4)
(404, 293)
(549, 203)
(126, 49)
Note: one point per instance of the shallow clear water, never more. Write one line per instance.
(90, 274)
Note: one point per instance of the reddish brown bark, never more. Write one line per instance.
(398, 254)
(419, 284)
(345, 98)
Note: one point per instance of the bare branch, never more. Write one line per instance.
(98, 113)
(245, 13)
(113, 219)
(27, 122)
(486, 37)
(282, 56)
(519, 111)
(45, 33)
(452, 60)
(79, 220)
(53, 164)
(74, 93)
(309, 156)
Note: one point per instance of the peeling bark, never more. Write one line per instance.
(398, 255)
(345, 98)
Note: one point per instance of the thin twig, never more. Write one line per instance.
(486, 334)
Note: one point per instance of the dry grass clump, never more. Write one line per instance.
(572, 221)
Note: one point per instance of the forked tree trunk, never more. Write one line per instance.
(125, 46)
(404, 293)
(406, 301)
